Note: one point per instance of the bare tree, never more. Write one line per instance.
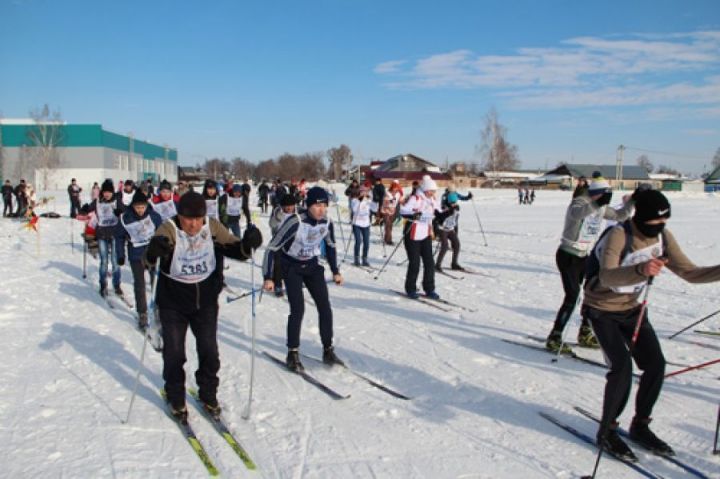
(241, 168)
(217, 168)
(716, 159)
(340, 159)
(44, 136)
(311, 166)
(496, 153)
(266, 169)
(645, 163)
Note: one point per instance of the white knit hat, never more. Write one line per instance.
(598, 186)
(428, 184)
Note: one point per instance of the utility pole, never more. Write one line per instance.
(619, 166)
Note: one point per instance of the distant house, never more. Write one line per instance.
(566, 174)
(192, 175)
(406, 169)
(712, 181)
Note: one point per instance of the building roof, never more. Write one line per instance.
(15, 134)
(629, 172)
(714, 176)
(408, 162)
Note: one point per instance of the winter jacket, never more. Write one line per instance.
(7, 192)
(583, 223)
(225, 218)
(276, 219)
(352, 191)
(298, 240)
(106, 232)
(378, 193)
(420, 211)
(601, 292)
(74, 191)
(178, 296)
(135, 253)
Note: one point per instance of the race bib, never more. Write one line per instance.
(637, 257)
(165, 209)
(127, 198)
(194, 257)
(106, 214)
(212, 208)
(234, 206)
(140, 232)
(307, 241)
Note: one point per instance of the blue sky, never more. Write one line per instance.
(570, 80)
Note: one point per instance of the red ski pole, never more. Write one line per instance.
(691, 368)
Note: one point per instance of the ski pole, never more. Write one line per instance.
(692, 368)
(393, 253)
(342, 232)
(604, 426)
(717, 429)
(347, 247)
(246, 415)
(85, 248)
(695, 323)
(144, 348)
(478, 220)
(137, 379)
(243, 295)
(72, 235)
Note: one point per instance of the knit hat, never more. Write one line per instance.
(107, 186)
(237, 188)
(139, 198)
(650, 205)
(287, 200)
(129, 183)
(316, 195)
(428, 184)
(210, 184)
(192, 205)
(165, 185)
(598, 186)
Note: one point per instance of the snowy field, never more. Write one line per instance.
(70, 364)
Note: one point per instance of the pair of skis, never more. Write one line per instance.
(311, 379)
(219, 425)
(441, 304)
(638, 468)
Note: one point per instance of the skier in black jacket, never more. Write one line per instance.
(7, 193)
(189, 247)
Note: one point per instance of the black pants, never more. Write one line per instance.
(572, 272)
(614, 332)
(74, 206)
(277, 270)
(203, 324)
(454, 242)
(138, 272)
(7, 206)
(312, 275)
(415, 251)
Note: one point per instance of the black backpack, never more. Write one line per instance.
(592, 265)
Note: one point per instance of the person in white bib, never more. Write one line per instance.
(165, 202)
(419, 211)
(137, 226)
(297, 243)
(583, 224)
(283, 211)
(630, 258)
(210, 193)
(232, 205)
(126, 195)
(360, 208)
(189, 247)
(107, 209)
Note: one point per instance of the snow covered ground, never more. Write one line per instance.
(70, 362)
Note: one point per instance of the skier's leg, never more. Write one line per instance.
(138, 272)
(366, 242)
(413, 252)
(204, 327)
(428, 265)
(443, 248)
(649, 358)
(174, 329)
(293, 288)
(455, 243)
(315, 282)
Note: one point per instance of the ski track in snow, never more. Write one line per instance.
(70, 365)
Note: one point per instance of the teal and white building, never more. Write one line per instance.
(88, 153)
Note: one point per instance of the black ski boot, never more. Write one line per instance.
(179, 412)
(293, 361)
(365, 262)
(330, 358)
(456, 267)
(586, 338)
(614, 445)
(211, 406)
(357, 261)
(438, 268)
(641, 433)
(103, 291)
(555, 341)
(118, 290)
(142, 321)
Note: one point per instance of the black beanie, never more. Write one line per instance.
(650, 205)
(316, 195)
(287, 200)
(139, 197)
(192, 205)
(107, 186)
(165, 185)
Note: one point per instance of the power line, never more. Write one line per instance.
(667, 153)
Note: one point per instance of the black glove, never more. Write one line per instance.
(470, 195)
(604, 199)
(121, 261)
(417, 216)
(159, 247)
(252, 238)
